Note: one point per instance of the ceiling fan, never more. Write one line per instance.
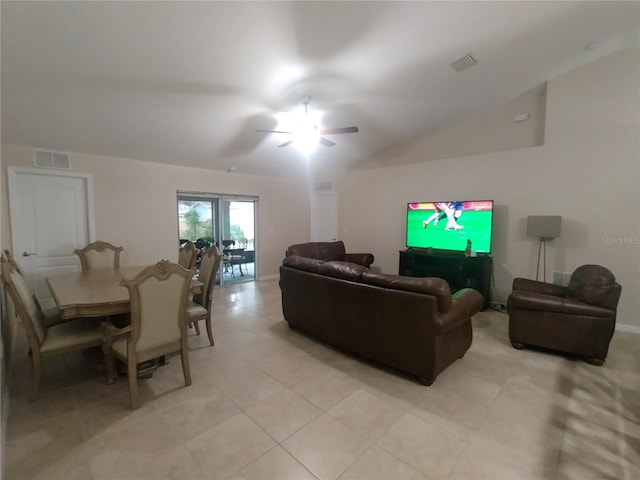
(308, 133)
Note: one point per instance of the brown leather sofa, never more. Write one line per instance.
(578, 319)
(413, 325)
(329, 251)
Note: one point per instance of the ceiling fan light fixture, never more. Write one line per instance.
(304, 130)
(306, 137)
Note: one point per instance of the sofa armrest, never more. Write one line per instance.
(539, 287)
(466, 303)
(364, 259)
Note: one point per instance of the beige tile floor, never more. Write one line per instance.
(269, 403)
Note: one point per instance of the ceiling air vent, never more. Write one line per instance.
(48, 159)
(326, 186)
(464, 63)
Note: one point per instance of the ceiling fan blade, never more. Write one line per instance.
(325, 142)
(273, 131)
(286, 144)
(334, 131)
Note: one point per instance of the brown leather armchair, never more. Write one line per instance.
(578, 319)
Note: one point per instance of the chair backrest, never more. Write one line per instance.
(25, 306)
(12, 261)
(158, 297)
(201, 243)
(596, 285)
(8, 258)
(99, 255)
(226, 244)
(187, 255)
(207, 275)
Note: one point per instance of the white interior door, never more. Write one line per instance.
(324, 217)
(51, 214)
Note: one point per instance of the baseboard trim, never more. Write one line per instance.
(623, 327)
(269, 277)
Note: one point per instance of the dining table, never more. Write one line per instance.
(95, 293)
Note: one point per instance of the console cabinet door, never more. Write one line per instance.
(459, 271)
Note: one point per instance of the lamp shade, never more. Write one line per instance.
(544, 226)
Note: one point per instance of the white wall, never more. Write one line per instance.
(135, 205)
(491, 131)
(587, 171)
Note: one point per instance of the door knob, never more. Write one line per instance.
(26, 254)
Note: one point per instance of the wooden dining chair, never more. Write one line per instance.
(49, 310)
(158, 296)
(46, 340)
(99, 255)
(200, 307)
(187, 255)
(9, 258)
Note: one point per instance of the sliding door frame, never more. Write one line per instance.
(219, 199)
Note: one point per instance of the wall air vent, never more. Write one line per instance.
(464, 63)
(325, 186)
(49, 159)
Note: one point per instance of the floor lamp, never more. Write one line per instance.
(544, 227)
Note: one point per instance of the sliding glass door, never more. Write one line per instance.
(226, 221)
(197, 219)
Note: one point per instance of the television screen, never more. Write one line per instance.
(448, 225)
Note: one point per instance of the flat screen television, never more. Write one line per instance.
(447, 225)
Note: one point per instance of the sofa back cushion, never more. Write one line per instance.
(343, 270)
(303, 263)
(327, 251)
(436, 287)
(309, 250)
(595, 285)
(332, 250)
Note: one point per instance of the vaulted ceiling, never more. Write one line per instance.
(188, 83)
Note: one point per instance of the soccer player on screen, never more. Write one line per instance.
(439, 209)
(457, 210)
(446, 209)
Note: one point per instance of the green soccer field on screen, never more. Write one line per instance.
(439, 226)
